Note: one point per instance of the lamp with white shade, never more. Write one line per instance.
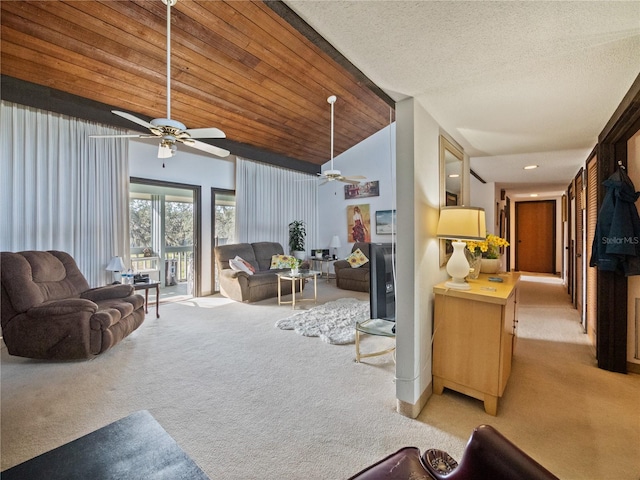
(335, 244)
(116, 265)
(459, 224)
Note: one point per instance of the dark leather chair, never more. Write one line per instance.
(487, 456)
(49, 311)
(405, 464)
(349, 278)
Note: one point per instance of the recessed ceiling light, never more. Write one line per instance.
(533, 195)
(530, 167)
(454, 175)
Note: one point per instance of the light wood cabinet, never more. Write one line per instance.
(474, 337)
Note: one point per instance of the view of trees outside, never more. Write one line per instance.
(225, 223)
(139, 223)
(178, 223)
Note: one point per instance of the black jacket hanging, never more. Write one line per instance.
(616, 245)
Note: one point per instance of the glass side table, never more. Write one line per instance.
(324, 263)
(378, 327)
(301, 277)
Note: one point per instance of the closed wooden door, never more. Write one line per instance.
(536, 236)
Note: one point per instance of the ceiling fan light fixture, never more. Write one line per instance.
(166, 149)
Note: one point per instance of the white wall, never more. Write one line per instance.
(483, 195)
(418, 258)
(373, 158)
(189, 168)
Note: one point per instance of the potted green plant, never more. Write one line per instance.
(297, 234)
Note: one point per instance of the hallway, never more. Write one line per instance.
(557, 400)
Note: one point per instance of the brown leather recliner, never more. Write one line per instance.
(48, 310)
(349, 278)
(488, 456)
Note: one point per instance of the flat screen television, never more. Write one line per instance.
(382, 285)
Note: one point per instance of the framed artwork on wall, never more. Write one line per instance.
(362, 190)
(358, 223)
(385, 222)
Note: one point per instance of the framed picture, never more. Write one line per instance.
(385, 222)
(358, 223)
(366, 189)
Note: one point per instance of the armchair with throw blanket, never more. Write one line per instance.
(49, 311)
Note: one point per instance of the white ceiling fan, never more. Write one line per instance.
(168, 130)
(330, 175)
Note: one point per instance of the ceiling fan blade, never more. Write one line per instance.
(205, 147)
(134, 119)
(349, 180)
(122, 136)
(356, 177)
(205, 133)
(325, 182)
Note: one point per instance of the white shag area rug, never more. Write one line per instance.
(334, 322)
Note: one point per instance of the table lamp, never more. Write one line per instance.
(335, 244)
(459, 224)
(116, 265)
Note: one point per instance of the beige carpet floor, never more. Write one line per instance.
(247, 400)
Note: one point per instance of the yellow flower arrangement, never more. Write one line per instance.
(489, 248)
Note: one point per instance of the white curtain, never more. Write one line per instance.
(268, 198)
(61, 190)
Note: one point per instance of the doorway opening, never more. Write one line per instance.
(164, 228)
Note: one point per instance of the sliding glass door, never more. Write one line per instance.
(164, 228)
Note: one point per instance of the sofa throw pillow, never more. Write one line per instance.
(247, 264)
(357, 258)
(240, 265)
(282, 261)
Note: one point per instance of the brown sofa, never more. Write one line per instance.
(241, 286)
(349, 278)
(49, 311)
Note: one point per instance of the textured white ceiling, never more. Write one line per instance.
(508, 80)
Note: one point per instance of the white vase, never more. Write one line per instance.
(294, 271)
(490, 265)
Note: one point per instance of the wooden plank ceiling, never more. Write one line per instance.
(238, 66)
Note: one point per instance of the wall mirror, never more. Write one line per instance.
(451, 185)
